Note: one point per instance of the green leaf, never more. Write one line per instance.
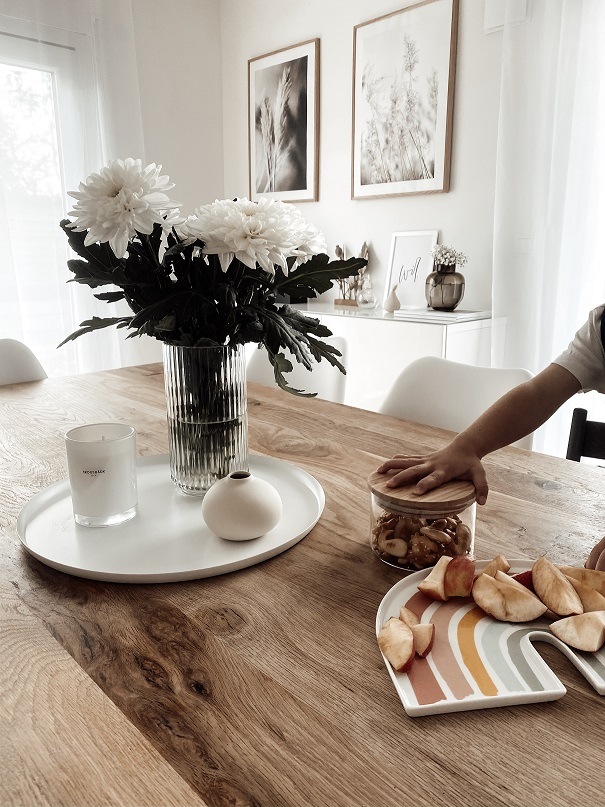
(160, 309)
(283, 365)
(99, 255)
(322, 350)
(316, 276)
(89, 274)
(94, 324)
(110, 296)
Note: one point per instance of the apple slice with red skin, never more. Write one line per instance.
(459, 576)
(525, 578)
(507, 601)
(433, 584)
(592, 600)
(582, 631)
(554, 589)
(508, 579)
(511, 580)
(424, 635)
(590, 577)
(396, 641)
(407, 616)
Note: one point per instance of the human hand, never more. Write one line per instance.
(432, 470)
(596, 559)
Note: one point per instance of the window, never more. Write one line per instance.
(48, 142)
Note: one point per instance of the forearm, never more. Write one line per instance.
(516, 414)
(519, 412)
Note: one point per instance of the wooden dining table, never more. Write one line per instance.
(265, 687)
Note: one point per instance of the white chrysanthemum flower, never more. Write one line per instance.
(308, 239)
(263, 233)
(121, 200)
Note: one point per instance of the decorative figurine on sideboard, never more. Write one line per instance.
(392, 304)
(365, 293)
(444, 288)
(351, 287)
(345, 284)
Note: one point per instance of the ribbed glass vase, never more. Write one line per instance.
(207, 414)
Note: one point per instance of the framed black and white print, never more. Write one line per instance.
(403, 95)
(410, 261)
(283, 123)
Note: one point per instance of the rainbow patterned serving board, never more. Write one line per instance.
(478, 662)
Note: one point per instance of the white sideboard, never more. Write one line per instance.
(381, 345)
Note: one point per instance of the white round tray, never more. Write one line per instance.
(167, 540)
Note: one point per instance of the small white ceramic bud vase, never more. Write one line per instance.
(240, 507)
(392, 304)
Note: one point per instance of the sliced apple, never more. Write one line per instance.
(583, 631)
(459, 576)
(396, 641)
(424, 635)
(594, 559)
(592, 600)
(590, 577)
(507, 601)
(525, 579)
(407, 616)
(508, 579)
(433, 584)
(554, 589)
(498, 563)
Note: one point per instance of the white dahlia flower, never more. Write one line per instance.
(121, 200)
(266, 233)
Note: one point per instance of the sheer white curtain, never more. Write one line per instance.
(550, 199)
(69, 101)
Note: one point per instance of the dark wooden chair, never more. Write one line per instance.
(586, 437)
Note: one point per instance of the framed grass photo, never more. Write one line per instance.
(283, 123)
(403, 96)
(410, 261)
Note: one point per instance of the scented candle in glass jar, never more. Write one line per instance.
(411, 531)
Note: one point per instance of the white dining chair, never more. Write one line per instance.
(451, 395)
(324, 379)
(18, 363)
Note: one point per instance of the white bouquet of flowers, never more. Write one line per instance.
(212, 278)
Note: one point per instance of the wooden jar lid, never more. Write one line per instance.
(451, 497)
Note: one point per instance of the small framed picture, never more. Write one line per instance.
(403, 97)
(410, 262)
(283, 123)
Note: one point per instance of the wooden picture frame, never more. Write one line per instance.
(283, 124)
(410, 261)
(403, 96)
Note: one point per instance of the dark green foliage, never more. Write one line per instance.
(184, 297)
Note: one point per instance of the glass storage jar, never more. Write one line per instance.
(411, 531)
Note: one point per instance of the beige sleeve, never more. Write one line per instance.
(585, 357)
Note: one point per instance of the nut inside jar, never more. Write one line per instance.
(418, 541)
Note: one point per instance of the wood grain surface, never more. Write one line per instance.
(265, 687)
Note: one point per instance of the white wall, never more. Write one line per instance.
(464, 216)
(178, 52)
(192, 58)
